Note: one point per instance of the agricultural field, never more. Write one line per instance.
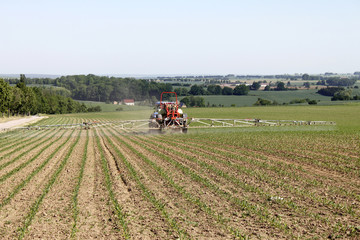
(283, 182)
(278, 96)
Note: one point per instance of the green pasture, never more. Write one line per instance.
(278, 96)
(108, 107)
(346, 116)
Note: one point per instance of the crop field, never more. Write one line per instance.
(279, 96)
(293, 182)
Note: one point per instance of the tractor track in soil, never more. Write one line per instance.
(275, 208)
(147, 220)
(54, 217)
(212, 199)
(94, 214)
(13, 213)
(203, 226)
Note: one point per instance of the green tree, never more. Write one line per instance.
(305, 77)
(227, 91)
(199, 102)
(186, 101)
(241, 90)
(214, 89)
(196, 90)
(280, 86)
(342, 95)
(5, 96)
(263, 102)
(22, 83)
(307, 85)
(16, 100)
(255, 86)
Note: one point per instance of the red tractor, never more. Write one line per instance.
(168, 115)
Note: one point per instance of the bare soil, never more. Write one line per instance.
(205, 188)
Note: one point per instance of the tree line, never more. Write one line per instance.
(104, 89)
(24, 100)
(338, 93)
(332, 81)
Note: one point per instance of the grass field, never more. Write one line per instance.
(108, 107)
(293, 182)
(279, 96)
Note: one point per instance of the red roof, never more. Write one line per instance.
(128, 100)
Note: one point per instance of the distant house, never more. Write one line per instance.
(129, 102)
(115, 103)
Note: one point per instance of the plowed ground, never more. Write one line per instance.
(105, 183)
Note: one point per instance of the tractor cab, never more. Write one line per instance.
(168, 114)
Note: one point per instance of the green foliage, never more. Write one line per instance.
(214, 89)
(5, 96)
(22, 83)
(307, 84)
(241, 90)
(342, 95)
(337, 81)
(280, 86)
(330, 91)
(227, 91)
(255, 85)
(180, 91)
(193, 101)
(307, 100)
(264, 102)
(294, 101)
(94, 109)
(196, 90)
(305, 76)
(33, 100)
(100, 88)
(312, 102)
(119, 109)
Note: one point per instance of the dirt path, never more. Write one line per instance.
(19, 122)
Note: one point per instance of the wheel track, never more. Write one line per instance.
(145, 221)
(199, 225)
(141, 181)
(215, 192)
(94, 214)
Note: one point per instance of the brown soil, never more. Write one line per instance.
(13, 214)
(54, 218)
(280, 188)
(206, 195)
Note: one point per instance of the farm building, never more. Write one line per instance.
(129, 102)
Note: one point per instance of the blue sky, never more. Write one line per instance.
(179, 37)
